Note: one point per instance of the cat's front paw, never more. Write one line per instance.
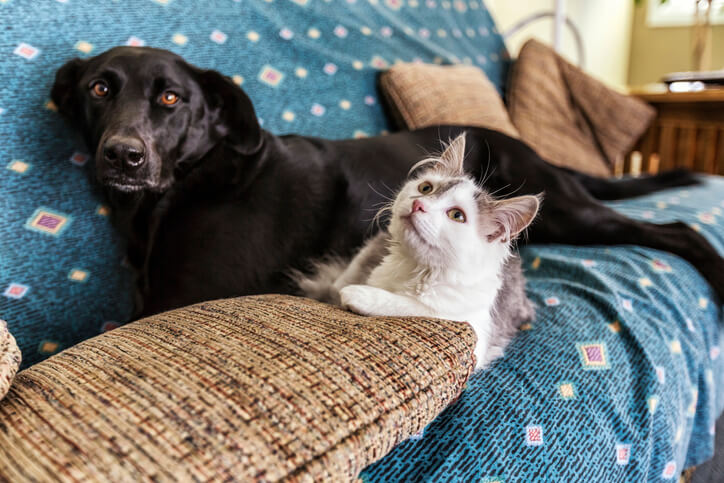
(359, 299)
(484, 357)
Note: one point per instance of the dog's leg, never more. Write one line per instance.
(590, 223)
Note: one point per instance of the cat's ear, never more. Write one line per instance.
(513, 215)
(453, 157)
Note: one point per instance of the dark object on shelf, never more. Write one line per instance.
(678, 81)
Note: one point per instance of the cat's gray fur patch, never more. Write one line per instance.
(332, 273)
(512, 306)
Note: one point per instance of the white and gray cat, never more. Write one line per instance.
(447, 253)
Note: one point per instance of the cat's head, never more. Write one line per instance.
(443, 218)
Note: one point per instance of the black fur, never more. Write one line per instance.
(218, 207)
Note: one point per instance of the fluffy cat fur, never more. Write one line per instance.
(447, 253)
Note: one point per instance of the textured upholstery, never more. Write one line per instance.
(259, 388)
(9, 358)
(422, 95)
(570, 118)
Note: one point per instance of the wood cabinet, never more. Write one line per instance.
(687, 132)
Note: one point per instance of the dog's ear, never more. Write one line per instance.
(238, 123)
(66, 83)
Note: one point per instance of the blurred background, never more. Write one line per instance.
(625, 43)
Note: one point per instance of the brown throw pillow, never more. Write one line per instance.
(567, 116)
(422, 95)
(252, 388)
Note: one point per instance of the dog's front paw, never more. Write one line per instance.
(359, 299)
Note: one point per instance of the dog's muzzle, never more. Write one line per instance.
(125, 154)
(123, 163)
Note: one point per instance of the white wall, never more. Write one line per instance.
(605, 26)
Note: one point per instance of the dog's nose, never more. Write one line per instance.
(124, 152)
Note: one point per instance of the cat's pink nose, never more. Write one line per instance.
(418, 206)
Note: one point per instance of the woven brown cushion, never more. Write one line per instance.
(255, 388)
(9, 358)
(422, 95)
(567, 116)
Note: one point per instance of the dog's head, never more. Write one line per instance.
(146, 113)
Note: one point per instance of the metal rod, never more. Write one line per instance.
(560, 16)
(537, 16)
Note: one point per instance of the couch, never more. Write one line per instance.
(618, 378)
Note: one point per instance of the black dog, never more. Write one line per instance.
(214, 206)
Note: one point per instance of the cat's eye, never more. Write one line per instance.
(169, 98)
(425, 188)
(100, 89)
(456, 214)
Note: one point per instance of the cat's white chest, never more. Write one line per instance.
(461, 302)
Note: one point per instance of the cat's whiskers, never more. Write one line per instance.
(388, 198)
(494, 193)
(431, 160)
(393, 193)
(485, 176)
(386, 208)
(506, 195)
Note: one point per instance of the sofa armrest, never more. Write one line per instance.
(265, 387)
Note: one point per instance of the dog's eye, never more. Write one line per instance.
(425, 188)
(456, 214)
(100, 89)
(169, 98)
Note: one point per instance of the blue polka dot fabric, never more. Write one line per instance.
(309, 66)
(619, 378)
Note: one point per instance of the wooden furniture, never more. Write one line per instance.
(687, 132)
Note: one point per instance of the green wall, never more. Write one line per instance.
(657, 51)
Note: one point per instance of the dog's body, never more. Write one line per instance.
(214, 206)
